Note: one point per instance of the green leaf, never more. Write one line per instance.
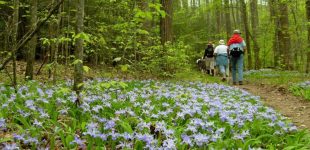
(1, 3)
(77, 61)
(6, 139)
(117, 59)
(83, 36)
(86, 69)
(138, 145)
(142, 32)
(126, 126)
(124, 68)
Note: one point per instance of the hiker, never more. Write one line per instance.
(236, 49)
(220, 53)
(209, 58)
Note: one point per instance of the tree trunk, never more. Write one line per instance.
(78, 65)
(254, 21)
(274, 18)
(33, 41)
(166, 22)
(14, 41)
(308, 47)
(247, 32)
(217, 14)
(56, 44)
(284, 36)
(227, 19)
(185, 4)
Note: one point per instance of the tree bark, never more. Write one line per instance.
(15, 32)
(284, 36)
(227, 19)
(166, 22)
(56, 44)
(247, 32)
(33, 41)
(78, 67)
(308, 47)
(254, 21)
(274, 18)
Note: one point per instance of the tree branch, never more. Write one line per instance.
(30, 34)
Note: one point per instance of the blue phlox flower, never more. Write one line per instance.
(30, 104)
(64, 111)
(19, 137)
(41, 92)
(109, 125)
(169, 144)
(201, 139)
(97, 108)
(186, 139)
(147, 138)
(10, 146)
(37, 123)
(160, 126)
(2, 123)
(78, 141)
(123, 145)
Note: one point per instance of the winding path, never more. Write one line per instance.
(292, 107)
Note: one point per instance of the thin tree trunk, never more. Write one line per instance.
(297, 48)
(254, 21)
(15, 32)
(247, 32)
(33, 41)
(57, 27)
(78, 67)
(217, 12)
(227, 19)
(308, 47)
(233, 13)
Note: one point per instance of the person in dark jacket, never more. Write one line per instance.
(209, 58)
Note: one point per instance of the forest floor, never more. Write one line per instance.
(294, 108)
(279, 98)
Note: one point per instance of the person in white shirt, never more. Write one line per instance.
(221, 58)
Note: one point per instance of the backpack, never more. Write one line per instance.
(236, 52)
(209, 52)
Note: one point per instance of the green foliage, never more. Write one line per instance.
(301, 89)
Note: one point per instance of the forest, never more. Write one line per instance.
(126, 74)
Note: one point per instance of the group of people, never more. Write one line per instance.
(223, 54)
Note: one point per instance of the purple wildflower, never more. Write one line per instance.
(2, 123)
(78, 141)
(10, 146)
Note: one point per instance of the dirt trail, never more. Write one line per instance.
(294, 108)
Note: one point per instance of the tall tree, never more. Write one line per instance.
(78, 65)
(308, 47)
(166, 22)
(57, 26)
(227, 19)
(15, 32)
(254, 22)
(284, 36)
(273, 6)
(218, 13)
(33, 42)
(247, 32)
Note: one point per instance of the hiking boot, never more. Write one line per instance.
(240, 83)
